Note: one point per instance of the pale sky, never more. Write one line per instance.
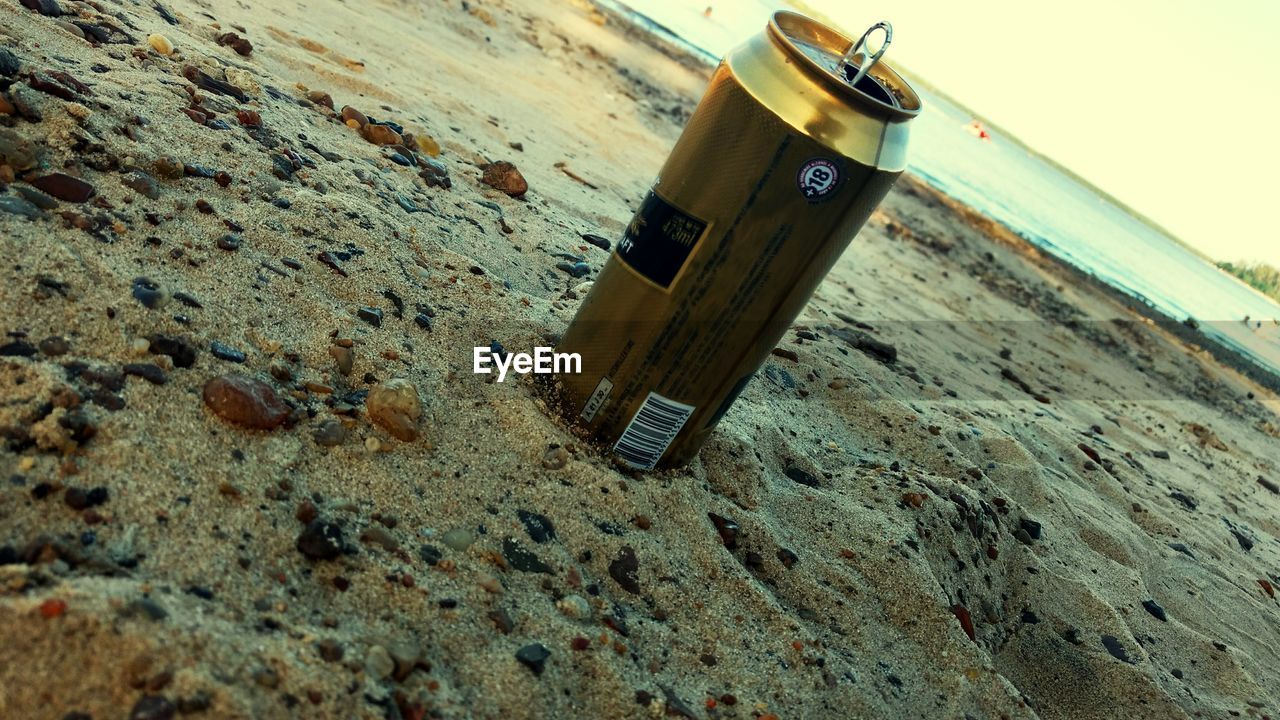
(1172, 106)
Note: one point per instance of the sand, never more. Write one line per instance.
(1044, 505)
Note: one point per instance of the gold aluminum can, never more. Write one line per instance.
(780, 165)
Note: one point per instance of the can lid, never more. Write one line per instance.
(845, 66)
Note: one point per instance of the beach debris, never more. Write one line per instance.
(149, 293)
(1156, 611)
(1117, 650)
(434, 173)
(235, 42)
(504, 176)
(802, 476)
(395, 406)
(178, 349)
(245, 401)
(538, 526)
(226, 352)
(596, 240)
(146, 371)
(522, 559)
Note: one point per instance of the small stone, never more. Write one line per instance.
(596, 240)
(226, 352)
(145, 607)
(802, 476)
(523, 560)
(539, 527)
(504, 176)
(577, 269)
(623, 570)
(728, 530)
(350, 115)
(9, 63)
(555, 458)
(1032, 527)
(458, 539)
(345, 357)
(146, 371)
(395, 406)
(320, 540)
(168, 167)
(1156, 611)
(435, 173)
(330, 650)
(245, 401)
(380, 537)
(330, 433)
(533, 656)
(152, 707)
(381, 135)
(160, 44)
(229, 242)
(371, 315)
(237, 43)
(141, 183)
(64, 187)
(1160, 454)
(149, 293)
(574, 606)
(378, 663)
(54, 346)
(19, 206)
(320, 98)
(179, 349)
(502, 621)
(1117, 650)
(37, 198)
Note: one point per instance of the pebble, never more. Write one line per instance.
(728, 530)
(142, 183)
(330, 650)
(577, 270)
(371, 315)
(406, 655)
(1156, 611)
(152, 707)
(574, 606)
(245, 401)
(37, 198)
(9, 63)
(179, 349)
(555, 458)
(521, 559)
(394, 406)
(320, 540)
(18, 206)
(226, 352)
(149, 293)
(345, 357)
(381, 135)
(378, 663)
(65, 187)
(534, 656)
(1113, 646)
(802, 476)
(160, 44)
(237, 43)
(538, 526)
(623, 570)
(229, 242)
(458, 539)
(596, 240)
(435, 173)
(380, 537)
(54, 346)
(320, 98)
(148, 372)
(330, 433)
(504, 176)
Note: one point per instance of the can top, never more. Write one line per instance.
(823, 51)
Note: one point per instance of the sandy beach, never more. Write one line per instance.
(246, 470)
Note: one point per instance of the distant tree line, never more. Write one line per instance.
(1260, 275)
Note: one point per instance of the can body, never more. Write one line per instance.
(775, 172)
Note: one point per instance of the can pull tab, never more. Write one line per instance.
(855, 73)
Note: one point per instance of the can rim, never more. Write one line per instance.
(786, 27)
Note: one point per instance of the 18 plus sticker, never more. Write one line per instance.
(818, 179)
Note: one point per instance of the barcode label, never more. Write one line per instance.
(654, 426)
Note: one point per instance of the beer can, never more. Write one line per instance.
(799, 136)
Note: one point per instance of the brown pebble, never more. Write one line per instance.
(245, 401)
(64, 187)
(306, 512)
(504, 176)
(344, 356)
(395, 406)
(330, 433)
(381, 135)
(321, 98)
(555, 458)
(237, 43)
(249, 118)
(146, 371)
(788, 354)
(350, 113)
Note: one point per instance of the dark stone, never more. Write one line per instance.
(9, 63)
(142, 183)
(596, 240)
(538, 526)
(371, 315)
(522, 559)
(145, 607)
(623, 570)
(320, 540)
(1180, 547)
(148, 292)
(430, 554)
(179, 349)
(37, 198)
(229, 242)
(1032, 527)
(1156, 611)
(64, 187)
(423, 321)
(17, 348)
(213, 85)
(48, 8)
(1187, 501)
(787, 557)
(1160, 454)
(201, 592)
(152, 707)
(19, 206)
(533, 656)
(802, 476)
(146, 371)
(1113, 646)
(1274, 488)
(727, 528)
(226, 352)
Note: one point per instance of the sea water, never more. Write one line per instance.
(1035, 199)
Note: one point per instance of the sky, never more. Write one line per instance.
(1173, 107)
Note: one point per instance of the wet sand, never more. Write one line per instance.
(219, 497)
